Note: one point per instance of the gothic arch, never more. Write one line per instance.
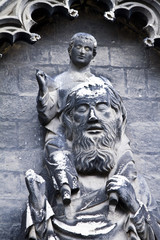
(16, 19)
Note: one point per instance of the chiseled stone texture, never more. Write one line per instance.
(122, 58)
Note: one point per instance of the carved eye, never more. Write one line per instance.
(87, 49)
(82, 108)
(102, 106)
(78, 46)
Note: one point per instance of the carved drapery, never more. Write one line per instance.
(16, 18)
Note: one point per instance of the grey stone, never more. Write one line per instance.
(145, 136)
(136, 83)
(153, 83)
(17, 107)
(8, 137)
(127, 57)
(30, 136)
(10, 83)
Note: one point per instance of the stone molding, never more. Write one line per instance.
(16, 16)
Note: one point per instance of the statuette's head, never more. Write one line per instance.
(82, 49)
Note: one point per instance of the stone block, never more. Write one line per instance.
(10, 217)
(144, 136)
(31, 136)
(9, 107)
(142, 110)
(102, 57)
(38, 54)
(136, 83)
(152, 174)
(154, 83)
(18, 107)
(10, 184)
(9, 85)
(8, 136)
(156, 110)
(22, 160)
(27, 82)
(10, 206)
(2, 160)
(59, 55)
(127, 56)
(27, 108)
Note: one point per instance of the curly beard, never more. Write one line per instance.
(94, 154)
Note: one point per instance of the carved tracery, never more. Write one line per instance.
(16, 19)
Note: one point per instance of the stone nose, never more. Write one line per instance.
(82, 50)
(92, 115)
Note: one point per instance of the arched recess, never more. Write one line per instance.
(16, 20)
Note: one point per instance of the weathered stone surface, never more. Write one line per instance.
(8, 136)
(136, 83)
(19, 159)
(10, 216)
(128, 66)
(145, 110)
(30, 136)
(153, 83)
(144, 137)
(17, 107)
(121, 58)
(62, 57)
(9, 85)
(99, 61)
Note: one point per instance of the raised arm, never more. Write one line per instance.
(41, 79)
(46, 100)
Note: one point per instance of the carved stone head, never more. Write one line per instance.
(82, 49)
(94, 120)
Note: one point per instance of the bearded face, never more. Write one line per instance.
(94, 122)
(94, 154)
(95, 133)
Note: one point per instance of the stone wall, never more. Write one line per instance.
(133, 70)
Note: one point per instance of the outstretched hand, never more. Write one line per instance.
(41, 79)
(121, 186)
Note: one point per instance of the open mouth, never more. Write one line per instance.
(94, 129)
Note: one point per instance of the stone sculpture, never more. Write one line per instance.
(93, 190)
(51, 102)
